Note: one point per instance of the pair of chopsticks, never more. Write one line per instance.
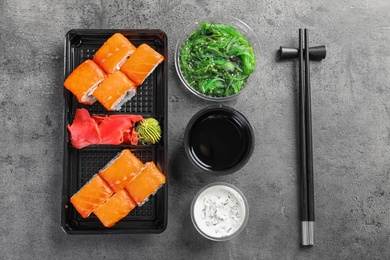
(306, 145)
(305, 54)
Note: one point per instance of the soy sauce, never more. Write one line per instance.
(217, 141)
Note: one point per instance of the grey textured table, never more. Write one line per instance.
(351, 131)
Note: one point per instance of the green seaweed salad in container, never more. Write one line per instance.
(215, 57)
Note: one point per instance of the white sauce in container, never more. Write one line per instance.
(219, 211)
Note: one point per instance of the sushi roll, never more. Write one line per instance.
(121, 170)
(115, 208)
(141, 63)
(145, 183)
(114, 53)
(84, 80)
(115, 90)
(91, 196)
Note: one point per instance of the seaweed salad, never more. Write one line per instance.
(217, 60)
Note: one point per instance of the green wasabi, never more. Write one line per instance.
(217, 60)
(149, 131)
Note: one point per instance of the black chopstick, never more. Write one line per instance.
(306, 146)
(302, 131)
(309, 143)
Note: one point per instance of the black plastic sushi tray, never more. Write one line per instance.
(80, 165)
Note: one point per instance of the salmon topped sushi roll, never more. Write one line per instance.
(91, 196)
(145, 183)
(115, 208)
(121, 170)
(84, 80)
(141, 63)
(115, 90)
(114, 52)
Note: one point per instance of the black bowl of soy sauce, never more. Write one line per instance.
(219, 139)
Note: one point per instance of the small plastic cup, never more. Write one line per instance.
(242, 27)
(219, 139)
(219, 211)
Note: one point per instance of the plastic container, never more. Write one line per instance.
(219, 211)
(219, 140)
(80, 165)
(231, 21)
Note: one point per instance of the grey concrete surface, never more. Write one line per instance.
(351, 131)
